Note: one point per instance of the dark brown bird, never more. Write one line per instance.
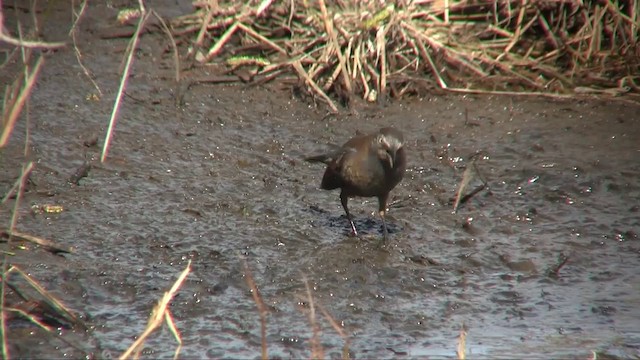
(367, 165)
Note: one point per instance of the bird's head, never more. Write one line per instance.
(388, 142)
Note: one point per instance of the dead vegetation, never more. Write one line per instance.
(373, 49)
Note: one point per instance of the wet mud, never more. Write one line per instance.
(222, 177)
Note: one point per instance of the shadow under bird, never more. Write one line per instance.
(366, 166)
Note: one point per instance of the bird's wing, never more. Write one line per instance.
(330, 157)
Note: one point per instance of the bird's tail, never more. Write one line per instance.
(323, 158)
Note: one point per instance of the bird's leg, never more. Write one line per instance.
(382, 209)
(344, 199)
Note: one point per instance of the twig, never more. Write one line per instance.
(462, 343)
(328, 23)
(159, 313)
(316, 349)
(12, 110)
(176, 56)
(303, 74)
(26, 169)
(47, 244)
(262, 309)
(221, 42)
(49, 299)
(76, 49)
(133, 45)
(519, 30)
(339, 330)
(265, 40)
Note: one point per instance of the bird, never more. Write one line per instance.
(369, 165)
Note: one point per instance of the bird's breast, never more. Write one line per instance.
(365, 179)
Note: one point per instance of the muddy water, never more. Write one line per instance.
(221, 178)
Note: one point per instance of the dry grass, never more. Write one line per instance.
(461, 351)
(309, 306)
(262, 309)
(367, 48)
(159, 314)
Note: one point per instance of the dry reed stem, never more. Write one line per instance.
(461, 45)
(54, 303)
(26, 43)
(425, 55)
(264, 5)
(339, 330)
(518, 32)
(207, 19)
(159, 313)
(31, 318)
(329, 28)
(462, 343)
(48, 244)
(466, 179)
(317, 352)
(221, 42)
(381, 54)
(174, 46)
(26, 170)
(49, 307)
(13, 106)
(133, 45)
(262, 38)
(303, 74)
(262, 309)
(76, 49)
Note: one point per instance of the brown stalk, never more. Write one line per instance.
(348, 54)
(27, 43)
(373, 73)
(215, 49)
(205, 22)
(331, 80)
(13, 107)
(332, 35)
(339, 330)
(594, 40)
(133, 44)
(76, 49)
(54, 303)
(303, 74)
(262, 308)
(382, 55)
(357, 65)
(174, 46)
(47, 244)
(317, 352)
(547, 31)
(518, 32)
(159, 313)
(464, 183)
(265, 40)
(427, 58)
(264, 5)
(462, 343)
(26, 170)
(634, 8)
(328, 23)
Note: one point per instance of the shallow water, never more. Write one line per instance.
(221, 178)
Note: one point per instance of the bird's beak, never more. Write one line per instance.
(389, 156)
(392, 158)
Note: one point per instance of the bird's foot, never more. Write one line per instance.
(354, 232)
